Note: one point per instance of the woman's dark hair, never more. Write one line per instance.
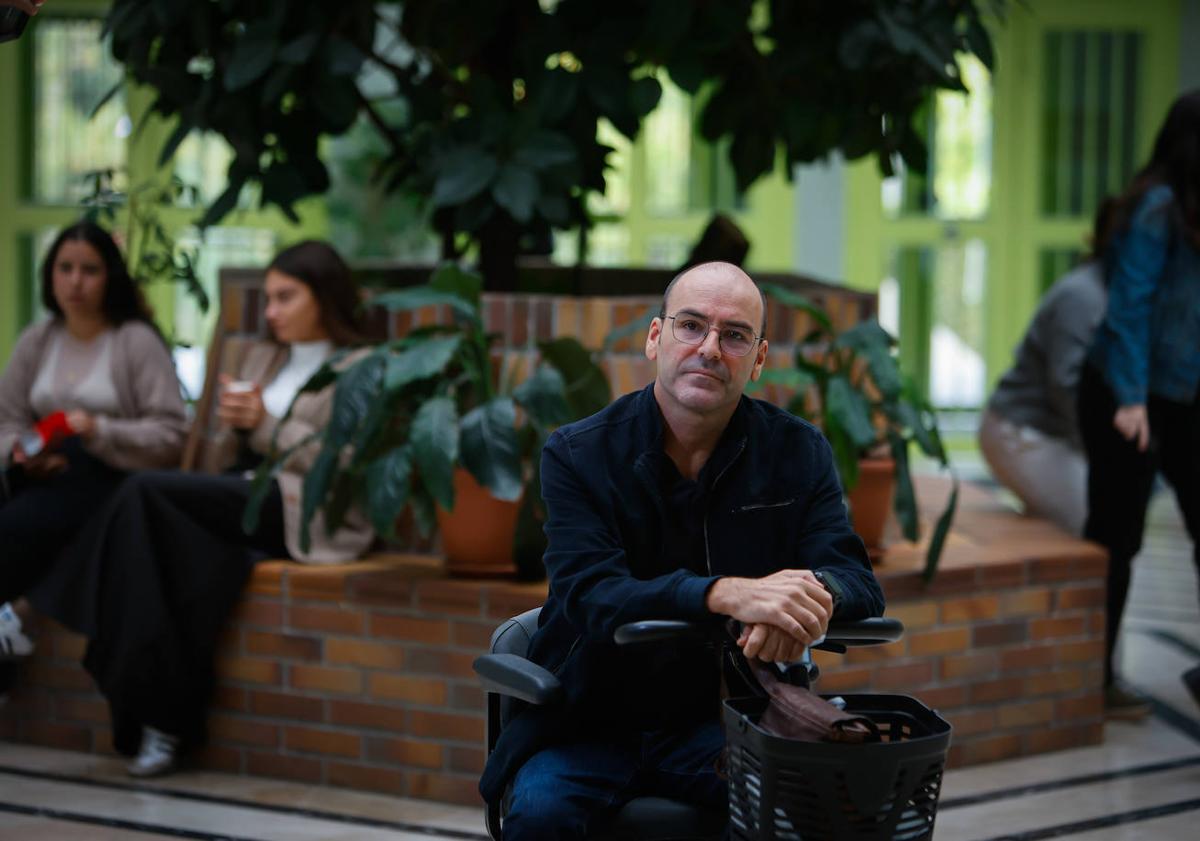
(122, 299)
(1175, 162)
(323, 271)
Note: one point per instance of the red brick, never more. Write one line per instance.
(217, 758)
(463, 790)
(406, 752)
(237, 730)
(970, 609)
(467, 760)
(281, 705)
(259, 612)
(250, 670)
(1085, 707)
(431, 661)
(845, 680)
(1030, 657)
(968, 665)
(324, 583)
(466, 696)
(944, 697)
(386, 587)
(377, 655)
(405, 687)
(1024, 715)
(432, 631)
(512, 599)
(325, 679)
(76, 737)
(986, 691)
(267, 578)
(231, 698)
(288, 767)
(358, 714)
(439, 596)
(1054, 683)
(365, 777)
(1004, 575)
(453, 726)
(1029, 602)
(970, 722)
(68, 646)
(336, 620)
(1081, 652)
(1056, 628)
(950, 641)
(909, 676)
(40, 671)
(288, 646)
(312, 740)
(998, 633)
(1070, 598)
(474, 635)
(990, 748)
(891, 652)
(915, 615)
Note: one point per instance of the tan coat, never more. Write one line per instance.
(262, 360)
(149, 431)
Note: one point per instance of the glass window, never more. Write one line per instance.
(72, 71)
(958, 180)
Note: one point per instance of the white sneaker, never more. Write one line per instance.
(156, 756)
(13, 642)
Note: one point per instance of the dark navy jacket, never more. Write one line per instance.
(774, 502)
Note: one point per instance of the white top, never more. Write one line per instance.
(304, 358)
(76, 375)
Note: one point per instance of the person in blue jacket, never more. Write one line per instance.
(685, 500)
(1139, 411)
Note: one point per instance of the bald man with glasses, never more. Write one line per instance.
(685, 500)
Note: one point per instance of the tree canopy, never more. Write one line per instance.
(490, 107)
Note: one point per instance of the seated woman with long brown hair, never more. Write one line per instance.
(154, 578)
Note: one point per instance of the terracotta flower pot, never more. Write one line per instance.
(871, 501)
(477, 536)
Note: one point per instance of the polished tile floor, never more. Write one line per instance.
(1142, 783)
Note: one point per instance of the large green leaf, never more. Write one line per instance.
(463, 174)
(795, 300)
(545, 149)
(544, 397)
(874, 344)
(316, 485)
(847, 407)
(937, 541)
(905, 500)
(587, 388)
(489, 447)
(252, 55)
(435, 447)
(453, 278)
(416, 297)
(644, 95)
(358, 389)
(419, 361)
(516, 190)
(388, 481)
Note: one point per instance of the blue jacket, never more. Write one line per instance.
(1149, 341)
(775, 502)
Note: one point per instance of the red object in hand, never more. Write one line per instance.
(47, 432)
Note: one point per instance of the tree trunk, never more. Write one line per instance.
(498, 249)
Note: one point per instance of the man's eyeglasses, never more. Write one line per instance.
(693, 330)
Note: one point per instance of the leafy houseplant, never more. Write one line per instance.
(409, 411)
(849, 384)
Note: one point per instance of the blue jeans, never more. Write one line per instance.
(564, 791)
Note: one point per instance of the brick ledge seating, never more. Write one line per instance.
(360, 675)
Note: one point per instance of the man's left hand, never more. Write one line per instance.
(770, 644)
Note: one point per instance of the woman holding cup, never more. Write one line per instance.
(170, 549)
(97, 380)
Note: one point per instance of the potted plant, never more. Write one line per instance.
(428, 423)
(849, 384)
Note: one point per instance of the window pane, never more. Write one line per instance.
(668, 133)
(72, 72)
(958, 183)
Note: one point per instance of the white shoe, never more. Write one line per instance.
(156, 756)
(13, 642)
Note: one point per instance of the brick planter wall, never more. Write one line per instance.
(360, 676)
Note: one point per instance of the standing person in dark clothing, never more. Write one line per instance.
(154, 578)
(1139, 400)
(686, 500)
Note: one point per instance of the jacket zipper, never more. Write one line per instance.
(762, 505)
(716, 481)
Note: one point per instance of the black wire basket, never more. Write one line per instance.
(821, 791)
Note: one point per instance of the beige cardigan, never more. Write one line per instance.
(151, 427)
(310, 413)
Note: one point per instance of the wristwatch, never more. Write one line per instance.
(832, 590)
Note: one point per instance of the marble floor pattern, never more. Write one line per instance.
(1142, 783)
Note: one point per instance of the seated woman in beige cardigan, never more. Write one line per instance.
(153, 579)
(99, 359)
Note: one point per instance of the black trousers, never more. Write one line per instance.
(1120, 480)
(151, 582)
(40, 517)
